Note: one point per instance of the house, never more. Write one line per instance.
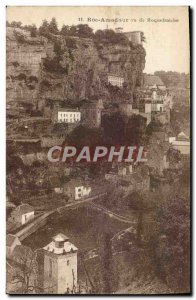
(69, 116)
(181, 143)
(115, 80)
(153, 82)
(60, 266)
(134, 36)
(11, 242)
(119, 30)
(22, 214)
(77, 190)
(127, 109)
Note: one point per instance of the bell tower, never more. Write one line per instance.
(60, 266)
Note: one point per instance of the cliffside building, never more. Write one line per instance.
(68, 116)
(135, 37)
(60, 266)
(76, 190)
(116, 80)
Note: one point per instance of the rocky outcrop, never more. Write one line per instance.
(67, 68)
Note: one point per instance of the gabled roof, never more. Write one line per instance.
(182, 136)
(10, 238)
(24, 208)
(60, 238)
(152, 80)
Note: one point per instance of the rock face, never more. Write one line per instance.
(67, 68)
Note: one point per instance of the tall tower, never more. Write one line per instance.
(60, 266)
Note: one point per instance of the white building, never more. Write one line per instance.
(116, 80)
(81, 192)
(76, 190)
(135, 37)
(22, 214)
(60, 266)
(68, 116)
(157, 106)
(181, 143)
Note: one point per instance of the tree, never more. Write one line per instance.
(57, 49)
(53, 28)
(82, 136)
(109, 279)
(24, 270)
(44, 28)
(174, 259)
(33, 30)
(65, 30)
(16, 24)
(83, 30)
(73, 30)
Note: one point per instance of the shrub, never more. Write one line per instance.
(71, 43)
(53, 65)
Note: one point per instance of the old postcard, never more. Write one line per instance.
(98, 150)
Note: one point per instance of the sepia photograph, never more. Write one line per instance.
(98, 150)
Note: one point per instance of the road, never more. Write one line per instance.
(41, 220)
(112, 214)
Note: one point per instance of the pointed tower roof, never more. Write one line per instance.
(60, 238)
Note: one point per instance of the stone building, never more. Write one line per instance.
(76, 189)
(181, 143)
(68, 116)
(116, 80)
(135, 37)
(60, 266)
(91, 114)
(22, 214)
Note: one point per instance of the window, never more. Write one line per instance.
(67, 262)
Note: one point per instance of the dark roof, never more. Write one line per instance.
(152, 80)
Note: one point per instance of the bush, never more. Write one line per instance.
(71, 43)
(19, 37)
(57, 49)
(109, 36)
(53, 65)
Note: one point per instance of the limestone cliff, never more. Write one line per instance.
(67, 68)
